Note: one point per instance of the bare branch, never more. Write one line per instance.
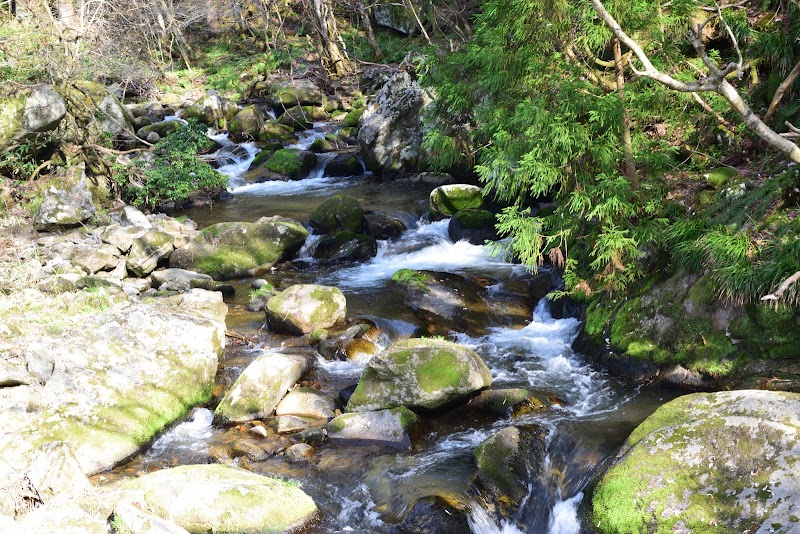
(782, 88)
(786, 284)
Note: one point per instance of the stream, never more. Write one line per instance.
(370, 488)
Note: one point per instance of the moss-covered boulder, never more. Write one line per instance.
(447, 200)
(35, 110)
(297, 92)
(236, 250)
(104, 388)
(260, 387)
(302, 117)
(66, 202)
(303, 308)
(353, 117)
(248, 122)
(508, 461)
(220, 498)
(213, 110)
(475, 226)
(346, 246)
(420, 373)
(344, 164)
(382, 226)
(274, 132)
(340, 212)
(92, 112)
(512, 402)
(147, 251)
(291, 163)
(382, 427)
(707, 462)
(163, 128)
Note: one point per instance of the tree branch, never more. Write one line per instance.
(782, 88)
(786, 284)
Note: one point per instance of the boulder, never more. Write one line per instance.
(447, 200)
(101, 258)
(94, 111)
(475, 226)
(260, 387)
(131, 518)
(121, 237)
(383, 427)
(303, 308)
(38, 111)
(302, 117)
(298, 92)
(106, 387)
(420, 373)
(307, 402)
(220, 498)
(508, 461)
(436, 515)
(340, 212)
(434, 179)
(274, 132)
(65, 203)
(248, 122)
(163, 129)
(346, 246)
(722, 462)
(510, 402)
(381, 226)
(390, 135)
(397, 16)
(213, 110)
(299, 452)
(178, 279)
(147, 251)
(344, 164)
(291, 424)
(236, 250)
(290, 163)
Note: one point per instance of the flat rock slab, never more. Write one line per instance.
(384, 427)
(220, 498)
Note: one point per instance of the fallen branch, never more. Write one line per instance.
(240, 337)
(786, 284)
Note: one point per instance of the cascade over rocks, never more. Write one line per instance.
(727, 459)
(303, 308)
(390, 134)
(419, 373)
(38, 111)
(219, 498)
(238, 249)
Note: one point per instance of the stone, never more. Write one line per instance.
(382, 427)
(508, 461)
(475, 226)
(111, 384)
(131, 216)
(302, 117)
(398, 17)
(726, 459)
(420, 373)
(298, 91)
(152, 138)
(447, 200)
(260, 387)
(307, 402)
(344, 164)
(219, 498)
(101, 258)
(237, 249)
(36, 110)
(291, 424)
(162, 129)
(435, 515)
(248, 122)
(137, 521)
(345, 246)
(274, 132)
(65, 204)
(299, 452)
(177, 279)
(510, 402)
(381, 226)
(213, 110)
(289, 164)
(97, 112)
(63, 517)
(147, 251)
(304, 308)
(434, 179)
(246, 448)
(390, 133)
(340, 212)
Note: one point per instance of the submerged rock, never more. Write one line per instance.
(260, 387)
(219, 498)
(435, 515)
(725, 459)
(235, 250)
(419, 373)
(303, 308)
(510, 402)
(383, 427)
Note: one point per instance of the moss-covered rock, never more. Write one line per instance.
(383, 427)
(344, 164)
(213, 110)
(236, 250)
(163, 128)
(382, 226)
(260, 387)
(510, 402)
(352, 118)
(420, 373)
(447, 200)
(274, 132)
(220, 498)
(320, 144)
(93, 112)
(307, 402)
(66, 202)
(340, 212)
(303, 308)
(346, 246)
(302, 117)
(300, 92)
(291, 163)
(475, 226)
(146, 252)
(35, 110)
(717, 462)
(249, 122)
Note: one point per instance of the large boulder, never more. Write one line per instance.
(298, 92)
(707, 462)
(236, 250)
(260, 387)
(382, 427)
(213, 110)
(307, 402)
(66, 202)
(344, 164)
(108, 385)
(390, 135)
(475, 226)
(38, 111)
(248, 122)
(303, 308)
(340, 212)
(291, 164)
(397, 16)
(147, 251)
(163, 128)
(447, 200)
(220, 498)
(346, 246)
(420, 373)
(93, 112)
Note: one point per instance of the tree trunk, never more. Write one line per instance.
(625, 134)
(331, 47)
(363, 13)
(782, 88)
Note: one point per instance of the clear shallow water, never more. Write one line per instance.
(366, 489)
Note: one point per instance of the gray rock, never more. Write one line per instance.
(161, 129)
(41, 110)
(218, 498)
(304, 308)
(147, 251)
(213, 110)
(177, 279)
(397, 16)
(131, 216)
(447, 200)
(307, 402)
(299, 452)
(137, 521)
(419, 373)
(390, 135)
(291, 424)
(120, 237)
(102, 258)
(381, 226)
(344, 164)
(66, 204)
(152, 137)
(260, 387)
(383, 427)
(247, 122)
(301, 91)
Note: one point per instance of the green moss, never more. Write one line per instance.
(407, 417)
(475, 219)
(721, 176)
(441, 371)
(351, 119)
(417, 279)
(327, 307)
(338, 424)
(285, 161)
(338, 212)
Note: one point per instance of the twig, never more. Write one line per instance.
(240, 337)
(786, 284)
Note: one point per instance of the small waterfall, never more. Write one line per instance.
(318, 131)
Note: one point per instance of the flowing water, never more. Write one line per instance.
(368, 488)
